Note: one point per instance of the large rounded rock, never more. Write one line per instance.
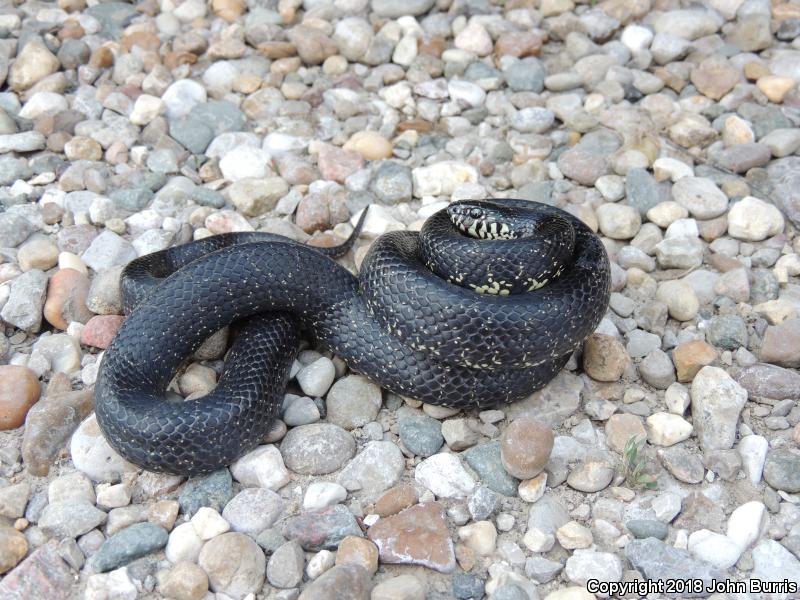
(93, 455)
(19, 390)
(525, 447)
(604, 357)
(342, 582)
(782, 469)
(234, 563)
(317, 449)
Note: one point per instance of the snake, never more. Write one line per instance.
(481, 307)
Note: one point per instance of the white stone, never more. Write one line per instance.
(584, 565)
(636, 38)
(43, 103)
(682, 228)
(92, 454)
(618, 221)
(531, 490)
(714, 548)
(61, 351)
(666, 506)
(243, 162)
(445, 476)
(323, 493)
(319, 563)
(481, 537)
(677, 399)
(442, 178)
(573, 535)
(537, 540)
(717, 401)
(262, 467)
(189, 10)
(146, 108)
(665, 213)
(466, 93)
(114, 585)
(474, 38)
(611, 187)
(746, 524)
(183, 544)
(753, 450)
(315, 379)
(208, 523)
(700, 196)
(406, 51)
(182, 96)
(754, 220)
(666, 429)
(773, 562)
(113, 496)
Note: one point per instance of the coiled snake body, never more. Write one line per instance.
(411, 321)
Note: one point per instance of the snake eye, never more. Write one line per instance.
(475, 213)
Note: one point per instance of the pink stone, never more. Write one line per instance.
(100, 330)
(43, 575)
(416, 536)
(337, 164)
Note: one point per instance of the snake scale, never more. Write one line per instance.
(482, 307)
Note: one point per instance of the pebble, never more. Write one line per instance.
(421, 435)
(525, 447)
(486, 460)
(234, 563)
(689, 357)
(70, 518)
(666, 429)
(262, 467)
(323, 493)
(129, 544)
(604, 357)
(621, 427)
(19, 391)
(401, 587)
(117, 584)
(322, 529)
(353, 401)
(717, 401)
(680, 299)
(778, 342)
(444, 475)
(351, 581)
(185, 581)
(317, 448)
(213, 490)
(93, 455)
(285, 566)
(253, 510)
(396, 499)
(13, 548)
(184, 544)
(700, 196)
(780, 469)
(417, 535)
(589, 564)
(376, 468)
(23, 308)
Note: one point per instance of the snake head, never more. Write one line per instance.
(479, 219)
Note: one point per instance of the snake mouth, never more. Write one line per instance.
(478, 222)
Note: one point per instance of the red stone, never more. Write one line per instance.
(337, 164)
(100, 330)
(416, 536)
(43, 575)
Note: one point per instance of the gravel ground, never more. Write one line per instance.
(667, 448)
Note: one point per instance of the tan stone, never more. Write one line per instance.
(229, 10)
(186, 581)
(621, 427)
(13, 548)
(370, 145)
(359, 551)
(66, 299)
(692, 356)
(396, 499)
(33, 63)
(525, 447)
(19, 390)
(714, 77)
(604, 357)
(775, 87)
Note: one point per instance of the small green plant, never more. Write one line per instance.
(633, 463)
